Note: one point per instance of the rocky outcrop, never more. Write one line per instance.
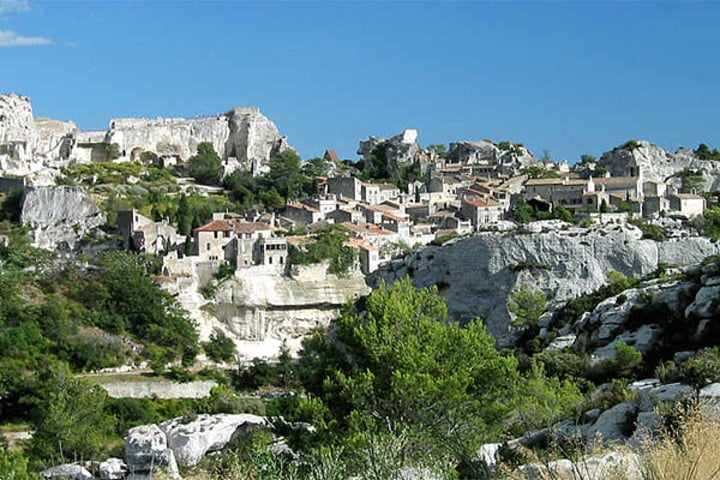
(590, 467)
(243, 137)
(68, 471)
(146, 451)
(112, 469)
(269, 309)
(477, 274)
(642, 158)
(39, 148)
(260, 307)
(59, 216)
(509, 159)
(191, 441)
(398, 150)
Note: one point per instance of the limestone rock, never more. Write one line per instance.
(261, 309)
(656, 164)
(671, 392)
(706, 303)
(711, 392)
(398, 150)
(589, 467)
(508, 160)
(112, 469)
(59, 216)
(243, 134)
(146, 450)
(191, 441)
(610, 424)
(483, 270)
(69, 471)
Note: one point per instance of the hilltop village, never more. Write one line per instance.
(195, 287)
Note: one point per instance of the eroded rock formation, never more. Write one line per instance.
(478, 274)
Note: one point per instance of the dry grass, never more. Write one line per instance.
(691, 452)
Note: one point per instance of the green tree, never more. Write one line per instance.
(184, 216)
(398, 361)
(69, 419)
(206, 166)
(316, 167)
(113, 151)
(586, 159)
(438, 148)
(14, 466)
(220, 348)
(285, 176)
(526, 305)
(272, 200)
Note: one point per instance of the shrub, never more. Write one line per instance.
(220, 348)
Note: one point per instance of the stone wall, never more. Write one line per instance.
(159, 389)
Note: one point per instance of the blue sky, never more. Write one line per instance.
(566, 77)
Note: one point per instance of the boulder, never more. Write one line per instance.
(68, 471)
(671, 392)
(112, 469)
(711, 392)
(706, 303)
(612, 423)
(589, 467)
(146, 450)
(191, 441)
(59, 216)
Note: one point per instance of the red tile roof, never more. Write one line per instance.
(234, 226)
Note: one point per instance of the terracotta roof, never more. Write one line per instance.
(359, 243)
(301, 206)
(616, 181)
(555, 181)
(397, 218)
(482, 204)
(234, 226)
(365, 228)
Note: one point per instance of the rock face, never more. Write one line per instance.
(112, 469)
(508, 159)
(398, 150)
(39, 148)
(655, 164)
(267, 309)
(146, 451)
(191, 441)
(589, 467)
(69, 471)
(259, 307)
(59, 216)
(477, 274)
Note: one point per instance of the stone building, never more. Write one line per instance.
(240, 242)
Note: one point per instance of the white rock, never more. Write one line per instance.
(706, 303)
(480, 269)
(69, 471)
(112, 469)
(711, 392)
(663, 393)
(191, 441)
(146, 450)
(589, 467)
(610, 424)
(59, 215)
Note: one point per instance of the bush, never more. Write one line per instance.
(220, 348)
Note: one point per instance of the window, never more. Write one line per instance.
(207, 246)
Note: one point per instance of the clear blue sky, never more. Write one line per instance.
(569, 78)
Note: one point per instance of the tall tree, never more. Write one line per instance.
(206, 166)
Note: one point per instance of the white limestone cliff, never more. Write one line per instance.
(39, 148)
(259, 308)
(478, 274)
(653, 163)
(59, 216)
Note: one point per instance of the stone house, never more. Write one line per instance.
(143, 234)
(687, 204)
(345, 187)
(482, 213)
(240, 242)
(302, 214)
